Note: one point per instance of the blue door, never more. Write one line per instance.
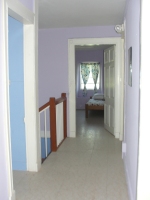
(16, 93)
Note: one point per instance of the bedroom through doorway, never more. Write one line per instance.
(118, 43)
(88, 123)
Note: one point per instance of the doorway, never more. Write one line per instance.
(27, 90)
(16, 94)
(91, 57)
(118, 42)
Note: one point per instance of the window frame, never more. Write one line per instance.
(98, 80)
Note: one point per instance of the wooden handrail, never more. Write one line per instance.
(60, 100)
(44, 106)
(57, 101)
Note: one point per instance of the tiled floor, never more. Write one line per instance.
(86, 168)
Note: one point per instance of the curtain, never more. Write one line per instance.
(95, 71)
(85, 71)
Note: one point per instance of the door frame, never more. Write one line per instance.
(29, 19)
(118, 42)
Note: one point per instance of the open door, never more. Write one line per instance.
(109, 88)
(16, 94)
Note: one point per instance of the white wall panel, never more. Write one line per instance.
(107, 82)
(107, 115)
(59, 123)
(112, 82)
(104, 113)
(111, 109)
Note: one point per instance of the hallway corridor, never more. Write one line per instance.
(88, 167)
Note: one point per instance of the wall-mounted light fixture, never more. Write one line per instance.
(119, 28)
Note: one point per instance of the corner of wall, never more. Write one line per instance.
(13, 196)
(128, 180)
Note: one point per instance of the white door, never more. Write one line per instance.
(109, 88)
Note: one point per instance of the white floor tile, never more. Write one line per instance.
(88, 167)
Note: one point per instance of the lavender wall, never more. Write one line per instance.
(87, 56)
(53, 57)
(132, 17)
(28, 3)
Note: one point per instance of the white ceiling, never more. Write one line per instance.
(77, 13)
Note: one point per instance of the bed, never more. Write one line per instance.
(95, 103)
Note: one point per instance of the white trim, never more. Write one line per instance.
(59, 123)
(13, 197)
(124, 82)
(71, 77)
(31, 109)
(20, 12)
(122, 95)
(7, 109)
(37, 133)
(31, 98)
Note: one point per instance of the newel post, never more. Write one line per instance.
(63, 95)
(53, 124)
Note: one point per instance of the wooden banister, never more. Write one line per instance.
(60, 100)
(44, 106)
(53, 123)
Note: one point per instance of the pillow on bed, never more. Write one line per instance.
(98, 96)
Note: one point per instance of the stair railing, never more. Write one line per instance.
(58, 121)
(58, 127)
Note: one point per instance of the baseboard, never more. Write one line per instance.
(38, 166)
(13, 196)
(34, 167)
(72, 134)
(116, 134)
(128, 182)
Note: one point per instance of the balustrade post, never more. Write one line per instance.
(53, 124)
(63, 95)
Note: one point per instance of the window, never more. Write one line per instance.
(90, 84)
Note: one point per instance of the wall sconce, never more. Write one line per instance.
(119, 28)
